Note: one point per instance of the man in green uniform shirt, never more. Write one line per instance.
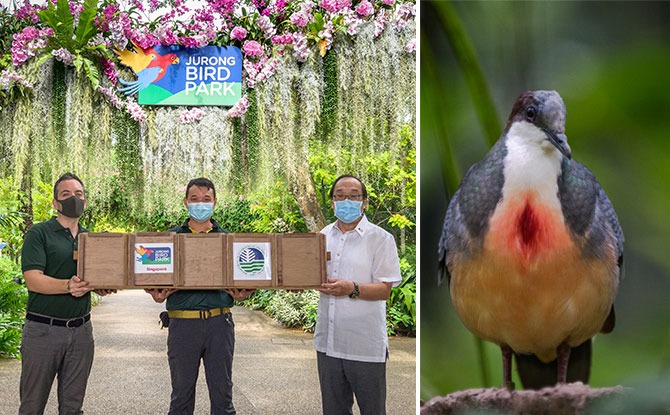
(58, 335)
(201, 324)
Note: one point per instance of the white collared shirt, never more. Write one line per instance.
(355, 329)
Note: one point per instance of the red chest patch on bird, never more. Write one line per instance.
(528, 230)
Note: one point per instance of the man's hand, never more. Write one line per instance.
(159, 294)
(337, 287)
(76, 287)
(239, 294)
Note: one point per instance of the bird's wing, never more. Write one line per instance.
(138, 60)
(591, 217)
(589, 213)
(471, 208)
(147, 76)
(452, 215)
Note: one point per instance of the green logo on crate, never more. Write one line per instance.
(251, 260)
(153, 255)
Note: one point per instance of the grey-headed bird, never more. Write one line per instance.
(532, 248)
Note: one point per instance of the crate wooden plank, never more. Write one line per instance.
(301, 260)
(202, 259)
(106, 265)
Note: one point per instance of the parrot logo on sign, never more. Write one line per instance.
(148, 65)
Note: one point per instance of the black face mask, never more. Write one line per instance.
(72, 207)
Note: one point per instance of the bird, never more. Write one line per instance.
(144, 253)
(532, 249)
(148, 65)
(137, 60)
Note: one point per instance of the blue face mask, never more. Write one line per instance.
(348, 210)
(200, 212)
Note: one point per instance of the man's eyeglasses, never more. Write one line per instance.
(355, 197)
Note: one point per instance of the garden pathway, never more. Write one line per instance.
(274, 369)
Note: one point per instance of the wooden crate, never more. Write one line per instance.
(202, 261)
(296, 267)
(103, 259)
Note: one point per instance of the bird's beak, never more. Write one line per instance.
(560, 141)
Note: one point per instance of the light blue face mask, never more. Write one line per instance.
(348, 210)
(200, 211)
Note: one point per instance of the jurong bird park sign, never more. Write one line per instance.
(176, 75)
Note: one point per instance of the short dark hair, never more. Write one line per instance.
(344, 176)
(201, 182)
(67, 176)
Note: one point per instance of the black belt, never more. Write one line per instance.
(70, 323)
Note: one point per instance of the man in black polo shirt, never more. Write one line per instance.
(58, 335)
(201, 324)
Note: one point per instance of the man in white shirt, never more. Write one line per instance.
(350, 337)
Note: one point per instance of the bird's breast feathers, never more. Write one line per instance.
(530, 287)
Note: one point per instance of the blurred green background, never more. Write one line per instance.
(610, 61)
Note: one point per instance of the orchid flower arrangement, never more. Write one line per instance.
(83, 33)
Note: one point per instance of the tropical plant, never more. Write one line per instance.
(401, 305)
(71, 45)
(13, 298)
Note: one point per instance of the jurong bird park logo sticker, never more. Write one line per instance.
(252, 261)
(153, 258)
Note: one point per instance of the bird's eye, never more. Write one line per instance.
(531, 112)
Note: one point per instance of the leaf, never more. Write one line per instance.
(43, 58)
(65, 27)
(60, 19)
(400, 221)
(92, 73)
(86, 28)
(77, 62)
(317, 25)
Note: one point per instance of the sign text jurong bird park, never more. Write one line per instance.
(176, 75)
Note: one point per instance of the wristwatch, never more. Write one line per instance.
(356, 292)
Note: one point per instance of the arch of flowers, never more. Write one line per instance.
(337, 75)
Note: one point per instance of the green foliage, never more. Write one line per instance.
(390, 178)
(295, 309)
(252, 137)
(330, 96)
(60, 19)
(234, 214)
(246, 143)
(12, 219)
(126, 191)
(401, 305)
(12, 200)
(42, 196)
(58, 105)
(13, 298)
(259, 300)
(276, 211)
